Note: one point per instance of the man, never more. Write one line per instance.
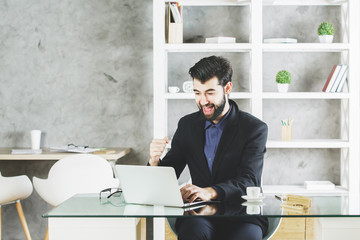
(224, 149)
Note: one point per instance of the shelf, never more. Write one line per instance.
(265, 2)
(305, 47)
(206, 47)
(300, 189)
(308, 143)
(181, 95)
(305, 95)
(267, 47)
(303, 143)
(213, 2)
(303, 2)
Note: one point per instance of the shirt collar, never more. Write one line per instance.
(221, 123)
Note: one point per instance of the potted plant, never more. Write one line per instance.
(326, 32)
(283, 79)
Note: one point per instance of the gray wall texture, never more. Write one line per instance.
(81, 71)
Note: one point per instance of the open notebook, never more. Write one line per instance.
(151, 186)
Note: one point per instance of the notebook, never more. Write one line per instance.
(152, 186)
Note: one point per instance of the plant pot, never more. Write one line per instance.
(283, 87)
(326, 38)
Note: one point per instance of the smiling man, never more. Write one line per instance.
(224, 148)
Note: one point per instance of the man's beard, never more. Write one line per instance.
(218, 109)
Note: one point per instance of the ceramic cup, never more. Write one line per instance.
(253, 192)
(35, 139)
(174, 89)
(253, 209)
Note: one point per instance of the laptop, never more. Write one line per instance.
(152, 186)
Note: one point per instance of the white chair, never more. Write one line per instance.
(78, 173)
(14, 189)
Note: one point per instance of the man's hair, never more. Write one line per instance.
(210, 67)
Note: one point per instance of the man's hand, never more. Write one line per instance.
(157, 148)
(193, 192)
(207, 210)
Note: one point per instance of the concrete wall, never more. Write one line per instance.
(81, 71)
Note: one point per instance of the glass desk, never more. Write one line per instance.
(113, 217)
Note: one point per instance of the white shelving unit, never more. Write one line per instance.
(348, 144)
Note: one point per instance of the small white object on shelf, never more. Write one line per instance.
(280, 40)
(319, 185)
(26, 151)
(220, 40)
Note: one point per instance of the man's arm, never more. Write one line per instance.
(175, 157)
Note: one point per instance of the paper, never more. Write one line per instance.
(74, 149)
(26, 151)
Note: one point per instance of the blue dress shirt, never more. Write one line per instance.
(213, 134)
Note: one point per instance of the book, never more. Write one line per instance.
(343, 80)
(342, 71)
(329, 78)
(319, 185)
(220, 40)
(333, 78)
(280, 40)
(175, 12)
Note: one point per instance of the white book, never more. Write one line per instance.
(333, 78)
(319, 185)
(343, 80)
(280, 40)
(342, 71)
(175, 13)
(220, 40)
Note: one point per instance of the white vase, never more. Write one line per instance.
(283, 87)
(326, 38)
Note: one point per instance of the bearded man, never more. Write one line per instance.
(224, 149)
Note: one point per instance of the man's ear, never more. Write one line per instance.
(228, 88)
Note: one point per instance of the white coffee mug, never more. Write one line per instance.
(253, 192)
(35, 139)
(174, 89)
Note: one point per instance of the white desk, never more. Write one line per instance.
(117, 153)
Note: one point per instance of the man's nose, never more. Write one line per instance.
(203, 100)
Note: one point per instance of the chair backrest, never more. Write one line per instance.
(79, 173)
(14, 188)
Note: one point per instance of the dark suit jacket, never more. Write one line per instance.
(238, 161)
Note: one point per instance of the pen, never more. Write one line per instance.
(278, 197)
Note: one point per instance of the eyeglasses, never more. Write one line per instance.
(111, 191)
(73, 146)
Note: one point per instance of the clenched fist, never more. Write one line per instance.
(157, 148)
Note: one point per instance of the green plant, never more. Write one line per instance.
(326, 28)
(283, 77)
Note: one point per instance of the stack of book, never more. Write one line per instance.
(336, 79)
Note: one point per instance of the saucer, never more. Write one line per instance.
(252, 199)
(257, 203)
